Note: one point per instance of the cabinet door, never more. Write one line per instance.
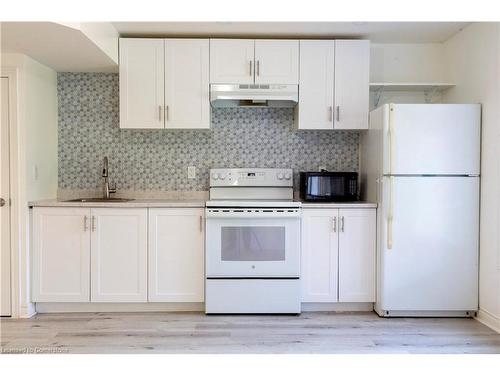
(187, 104)
(176, 255)
(61, 255)
(119, 254)
(352, 84)
(231, 61)
(315, 108)
(141, 83)
(277, 61)
(319, 255)
(357, 254)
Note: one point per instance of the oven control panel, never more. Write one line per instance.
(265, 177)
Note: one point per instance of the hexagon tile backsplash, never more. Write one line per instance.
(157, 160)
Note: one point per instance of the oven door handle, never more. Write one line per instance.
(296, 214)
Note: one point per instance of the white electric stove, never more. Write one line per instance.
(252, 242)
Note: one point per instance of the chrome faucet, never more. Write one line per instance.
(106, 190)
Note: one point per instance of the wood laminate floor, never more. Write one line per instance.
(198, 333)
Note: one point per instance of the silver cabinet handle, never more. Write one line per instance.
(250, 70)
(2, 202)
(93, 223)
(338, 113)
(159, 113)
(85, 225)
(258, 68)
(342, 227)
(330, 116)
(335, 223)
(166, 113)
(201, 223)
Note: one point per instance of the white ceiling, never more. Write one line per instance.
(380, 32)
(62, 47)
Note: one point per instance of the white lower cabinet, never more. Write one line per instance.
(89, 254)
(357, 255)
(319, 262)
(119, 255)
(61, 255)
(338, 255)
(176, 255)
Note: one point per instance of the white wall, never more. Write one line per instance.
(472, 58)
(406, 63)
(36, 146)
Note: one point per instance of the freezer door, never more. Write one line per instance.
(439, 139)
(428, 248)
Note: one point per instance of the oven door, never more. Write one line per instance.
(253, 242)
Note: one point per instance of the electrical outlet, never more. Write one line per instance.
(321, 167)
(191, 172)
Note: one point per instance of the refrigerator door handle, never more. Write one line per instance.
(390, 213)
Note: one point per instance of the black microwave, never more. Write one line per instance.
(329, 186)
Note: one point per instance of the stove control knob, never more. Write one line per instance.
(222, 176)
(288, 176)
(215, 176)
(280, 176)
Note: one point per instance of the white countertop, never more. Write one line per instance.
(165, 203)
(153, 203)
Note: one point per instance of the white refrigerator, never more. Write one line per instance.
(421, 163)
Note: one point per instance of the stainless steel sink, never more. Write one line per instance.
(99, 200)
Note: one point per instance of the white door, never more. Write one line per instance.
(5, 286)
(61, 254)
(315, 108)
(319, 264)
(429, 243)
(277, 61)
(232, 61)
(357, 253)
(142, 83)
(176, 255)
(119, 254)
(352, 84)
(187, 103)
(442, 139)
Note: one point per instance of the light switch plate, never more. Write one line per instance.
(191, 172)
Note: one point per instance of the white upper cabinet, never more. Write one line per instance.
(357, 255)
(232, 61)
(164, 83)
(316, 85)
(119, 254)
(61, 254)
(334, 84)
(352, 84)
(276, 61)
(319, 255)
(176, 255)
(141, 83)
(248, 61)
(187, 102)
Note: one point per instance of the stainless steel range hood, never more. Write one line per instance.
(230, 96)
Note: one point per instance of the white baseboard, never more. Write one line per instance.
(488, 319)
(52, 307)
(337, 306)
